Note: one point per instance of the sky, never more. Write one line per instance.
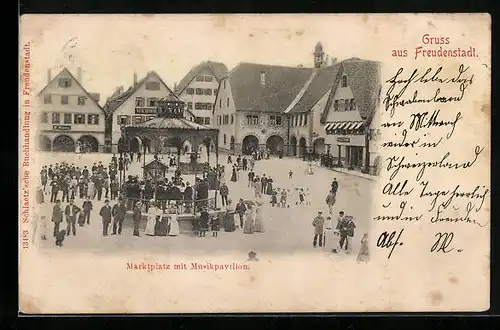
(110, 48)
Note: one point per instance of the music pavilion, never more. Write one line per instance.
(349, 113)
(171, 129)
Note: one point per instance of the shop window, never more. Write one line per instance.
(123, 120)
(93, 119)
(152, 102)
(79, 118)
(139, 102)
(67, 119)
(56, 118)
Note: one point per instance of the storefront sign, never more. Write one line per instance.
(145, 111)
(61, 127)
(343, 139)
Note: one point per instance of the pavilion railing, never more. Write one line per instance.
(183, 206)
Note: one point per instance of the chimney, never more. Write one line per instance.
(262, 78)
(79, 75)
(49, 76)
(135, 79)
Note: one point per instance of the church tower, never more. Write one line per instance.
(318, 55)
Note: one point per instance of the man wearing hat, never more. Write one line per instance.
(137, 217)
(71, 211)
(318, 224)
(105, 213)
(119, 210)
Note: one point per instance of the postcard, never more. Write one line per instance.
(254, 163)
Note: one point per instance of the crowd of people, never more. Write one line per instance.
(162, 200)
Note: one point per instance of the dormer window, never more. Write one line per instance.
(344, 81)
(262, 78)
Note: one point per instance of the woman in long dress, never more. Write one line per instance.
(257, 187)
(161, 223)
(248, 226)
(269, 187)
(228, 223)
(330, 240)
(259, 222)
(173, 223)
(234, 177)
(364, 255)
(150, 226)
(91, 189)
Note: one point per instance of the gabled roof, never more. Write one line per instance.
(155, 162)
(218, 70)
(318, 87)
(282, 84)
(170, 97)
(115, 101)
(89, 95)
(363, 77)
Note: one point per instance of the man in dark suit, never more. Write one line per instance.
(57, 216)
(263, 181)
(137, 218)
(241, 209)
(105, 213)
(55, 189)
(71, 211)
(87, 207)
(119, 210)
(188, 197)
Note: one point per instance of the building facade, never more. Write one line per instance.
(71, 118)
(349, 114)
(250, 105)
(198, 90)
(325, 109)
(139, 103)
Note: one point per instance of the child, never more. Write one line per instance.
(363, 251)
(274, 198)
(301, 196)
(283, 198)
(252, 256)
(203, 222)
(336, 241)
(307, 197)
(215, 224)
(60, 238)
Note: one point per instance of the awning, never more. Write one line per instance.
(358, 125)
(342, 125)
